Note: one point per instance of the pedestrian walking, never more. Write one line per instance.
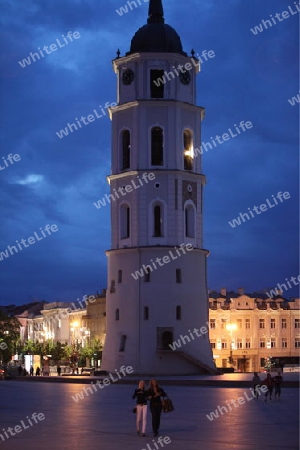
(155, 392)
(256, 384)
(58, 370)
(270, 384)
(140, 394)
(38, 372)
(278, 379)
(31, 371)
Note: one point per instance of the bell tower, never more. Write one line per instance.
(157, 288)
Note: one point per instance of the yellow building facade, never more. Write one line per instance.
(245, 331)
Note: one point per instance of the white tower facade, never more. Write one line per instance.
(157, 287)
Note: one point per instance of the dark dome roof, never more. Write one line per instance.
(156, 36)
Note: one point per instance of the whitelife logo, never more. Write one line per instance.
(126, 189)
(162, 261)
(53, 47)
(267, 23)
(36, 417)
(31, 240)
(9, 160)
(259, 209)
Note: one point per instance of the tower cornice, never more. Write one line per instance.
(162, 103)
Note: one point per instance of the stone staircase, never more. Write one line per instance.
(204, 367)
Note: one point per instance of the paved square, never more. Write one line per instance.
(103, 420)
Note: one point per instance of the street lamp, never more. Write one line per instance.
(231, 327)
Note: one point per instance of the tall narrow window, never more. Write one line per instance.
(178, 312)
(125, 222)
(178, 276)
(147, 272)
(156, 83)
(157, 146)
(157, 221)
(190, 221)
(117, 314)
(125, 149)
(112, 286)
(122, 343)
(120, 276)
(187, 150)
(146, 313)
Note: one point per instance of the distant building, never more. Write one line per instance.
(247, 329)
(95, 318)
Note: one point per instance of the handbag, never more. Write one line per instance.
(167, 405)
(134, 410)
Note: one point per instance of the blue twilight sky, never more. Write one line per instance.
(57, 180)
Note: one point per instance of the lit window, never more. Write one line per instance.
(187, 150)
(212, 324)
(239, 323)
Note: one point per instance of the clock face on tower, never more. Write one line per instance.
(185, 78)
(127, 76)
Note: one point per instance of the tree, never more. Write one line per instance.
(9, 336)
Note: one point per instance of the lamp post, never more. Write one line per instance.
(231, 327)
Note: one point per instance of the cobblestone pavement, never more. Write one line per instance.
(103, 419)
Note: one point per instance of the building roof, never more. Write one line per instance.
(156, 36)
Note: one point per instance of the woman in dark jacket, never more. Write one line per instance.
(141, 407)
(155, 394)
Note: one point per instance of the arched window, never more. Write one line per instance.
(188, 150)
(146, 313)
(189, 221)
(178, 276)
(117, 314)
(125, 150)
(178, 312)
(157, 221)
(157, 146)
(124, 221)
